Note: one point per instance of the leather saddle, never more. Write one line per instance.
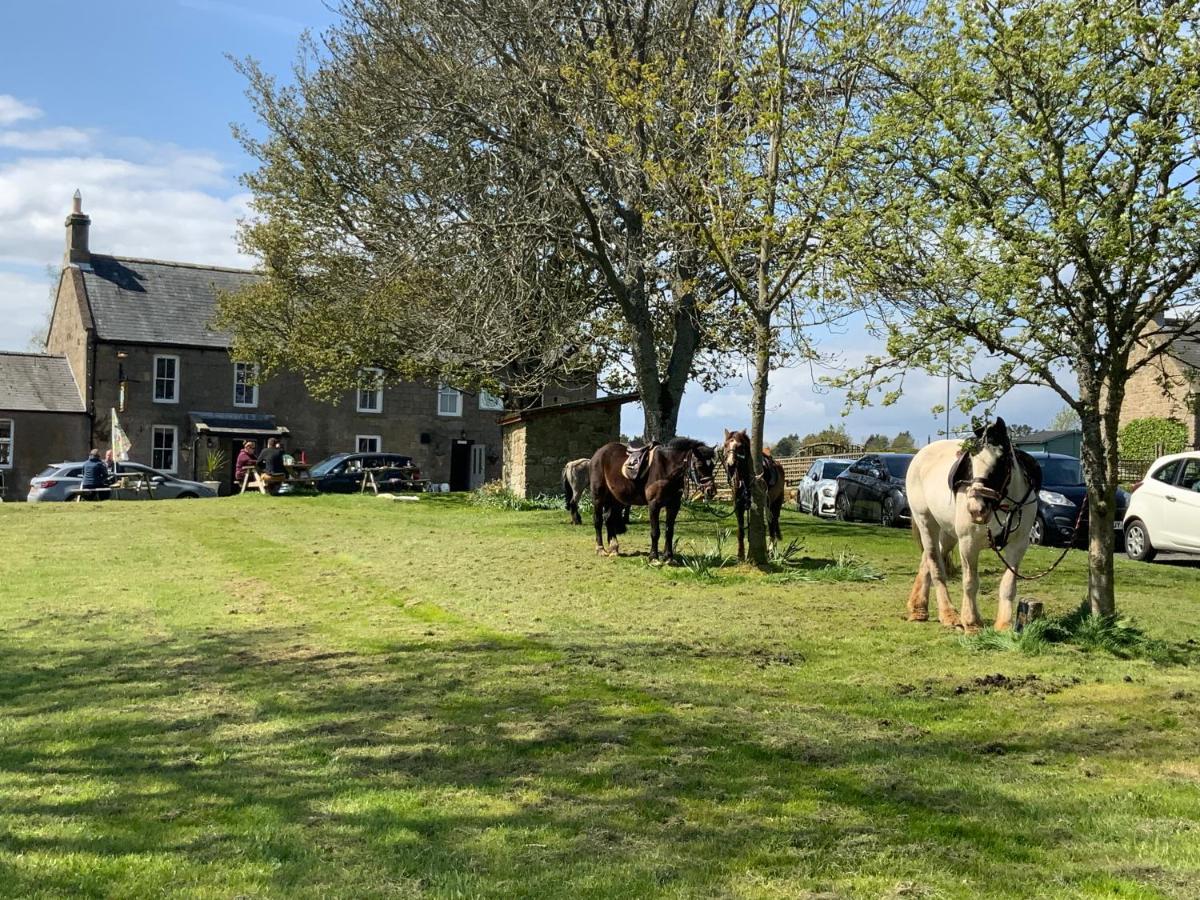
(637, 457)
(772, 471)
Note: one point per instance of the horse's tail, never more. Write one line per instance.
(568, 490)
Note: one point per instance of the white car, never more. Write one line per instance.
(818, 488)
(1164, 511)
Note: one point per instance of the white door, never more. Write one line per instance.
(1187, 498)
(478, 464)
(1158, 504)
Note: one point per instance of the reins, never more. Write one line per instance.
(1008, 526)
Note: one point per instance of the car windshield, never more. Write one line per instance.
(834, 469)
(1064, 472)
(897, 465)
(325, 466)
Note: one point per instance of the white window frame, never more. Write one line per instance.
(155, 431)
(444, 390)
(491, 402)
(377, 391)
(248, 372)
(359, 438)
(11, 441)
(174, 381)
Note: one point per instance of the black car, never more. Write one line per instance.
(873, 489)
(1060, 499)
(343, 473)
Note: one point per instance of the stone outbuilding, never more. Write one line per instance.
(42, 419)
(1168, 388)
(538, 442)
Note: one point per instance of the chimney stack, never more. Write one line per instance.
(77, 233)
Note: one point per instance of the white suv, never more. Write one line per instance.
(1164, 511)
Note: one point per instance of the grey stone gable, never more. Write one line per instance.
(155, 302)
(37, 382)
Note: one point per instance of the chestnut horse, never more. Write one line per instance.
(735, 453)
(659, 486)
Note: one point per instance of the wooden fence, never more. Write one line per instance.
(794, 468)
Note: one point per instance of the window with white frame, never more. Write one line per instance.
(368, 443)
(6, 443)
(245, 390)
(163, 448)
(166, 379)
(449, 401)
(370, 396)
(490, 401)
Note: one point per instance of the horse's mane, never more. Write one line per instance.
(686, 445)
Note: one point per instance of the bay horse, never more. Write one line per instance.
(658, 486)
(735, 454)
(576, 477)
(976, 494)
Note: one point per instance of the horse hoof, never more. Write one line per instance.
(918, 617)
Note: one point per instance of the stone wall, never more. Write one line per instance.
(1163, 390)
(41, 438)
(537, 448)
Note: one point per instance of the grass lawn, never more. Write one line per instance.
(340, 696)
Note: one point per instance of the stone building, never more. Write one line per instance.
(539, 442)
(1168, 388)
(136, 336)
(41, 418)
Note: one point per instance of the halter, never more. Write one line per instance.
(702, 484)
(742, 490)
(1000, 502)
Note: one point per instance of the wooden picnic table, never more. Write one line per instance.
(253, 479)
(373, 478)
(137, 483)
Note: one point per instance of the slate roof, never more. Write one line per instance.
(151, 301)
(36, 382)
(1041, 437)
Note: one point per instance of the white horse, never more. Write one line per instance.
(976, 499)
(576, 476)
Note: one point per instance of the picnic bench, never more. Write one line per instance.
(297, 476)
(125, 486)
(390, 478)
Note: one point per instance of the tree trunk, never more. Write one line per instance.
(758, 418)
(1099, 453)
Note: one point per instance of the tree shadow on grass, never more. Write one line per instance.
(498, 766)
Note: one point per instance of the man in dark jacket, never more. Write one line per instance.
(271, 469)
(96, 478)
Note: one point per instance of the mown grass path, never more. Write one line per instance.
(302, 697)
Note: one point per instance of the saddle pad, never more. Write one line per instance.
(636, 459)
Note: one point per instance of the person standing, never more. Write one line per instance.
(96, 478)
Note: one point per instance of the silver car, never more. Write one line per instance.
(817, 492)
(60, 482)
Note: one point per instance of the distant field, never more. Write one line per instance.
(340, 696)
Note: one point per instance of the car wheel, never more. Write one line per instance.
(1037, 534)
(1137, 542)
(887, 512)
(842, 508)
(816, 506)
(186, 495)
(800, 503)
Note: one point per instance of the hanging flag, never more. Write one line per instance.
(120, 440)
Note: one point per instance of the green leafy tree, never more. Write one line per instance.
(1151, 437)
(904, 443)
(836, 435)
(1020, 430)
(788, 445)
(1066, 419)
(876, 442)
(460, 190)
(1032, 214)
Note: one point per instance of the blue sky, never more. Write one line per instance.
(130, 101)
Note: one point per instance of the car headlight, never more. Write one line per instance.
(1054, 498)
(828, 490)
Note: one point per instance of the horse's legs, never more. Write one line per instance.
(776, 508)
(653, 509)
(918, 597)
(741, 520)
(935, 547)
(968, 551)
(1013, 554)
(598, 519)
(672, 512)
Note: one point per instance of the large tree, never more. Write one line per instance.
(1032, 215)
(459, 187)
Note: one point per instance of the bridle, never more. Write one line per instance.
(741, 459)
(705, 485)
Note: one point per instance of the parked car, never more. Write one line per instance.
(343, 473)
(1060, 499)
(1164, 510)
(872, 488)
(818, 489)
(60, 481)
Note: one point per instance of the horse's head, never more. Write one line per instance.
(735, 452)
(991, 470)
(704, 466)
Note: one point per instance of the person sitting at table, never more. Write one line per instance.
(271, 469)
(110, 462)
(96, 478)
(246, 460)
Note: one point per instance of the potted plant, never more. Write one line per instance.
(214, 465)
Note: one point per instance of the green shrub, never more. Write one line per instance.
(1148, 438)
(495, 495)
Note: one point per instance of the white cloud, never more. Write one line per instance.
(13, 110)
(45, 139)
(24, 306)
